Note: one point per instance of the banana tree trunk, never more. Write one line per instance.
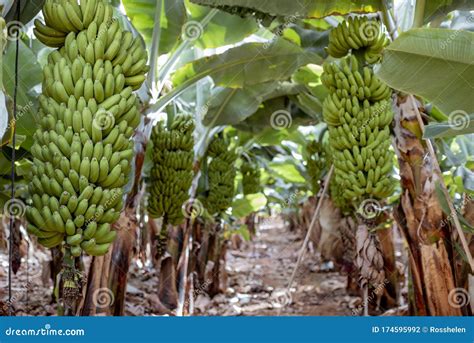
(106, 289)
(420, 219)
(107, 281)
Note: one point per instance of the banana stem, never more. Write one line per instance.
(454, 215)
(174, 58)
(152, 78)
(67, 272)
(389, 21)
(419, 13)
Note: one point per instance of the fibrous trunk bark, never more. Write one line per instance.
(421, 220)
(107, 279)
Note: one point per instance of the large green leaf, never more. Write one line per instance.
(287, 170)
(435, 8)
(250, 203)
(243, 65)
(460, 124)
(229, 106)
(309, 104)
(223, 29)
(445, 207)
(173, 17)
(248, 64)
(436, 64)
(28, 10)
(276, 114)
(301, 8)
(311, 40)
(29, 77)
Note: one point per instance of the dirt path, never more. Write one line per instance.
(258, 274)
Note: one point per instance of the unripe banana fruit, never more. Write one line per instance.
(88, 113)
(221, 175)
(359, 33)
(171, 175)
(172, 171)
(250, 177)
(358, 111)
(316, 163)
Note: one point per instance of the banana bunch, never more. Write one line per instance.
(172, 171)
(316, 161)
(359, 33)
(359, 132)
(250, 177)
(221, 175)
(82, 152)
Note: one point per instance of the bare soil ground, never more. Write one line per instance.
(258, 273)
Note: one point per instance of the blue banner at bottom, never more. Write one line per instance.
(237, 329)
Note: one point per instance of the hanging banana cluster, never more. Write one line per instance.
(250, 177)
(316, 163)
(221, 174)
(172, 171)
(358, 34)
(88, 113)
(358, 113)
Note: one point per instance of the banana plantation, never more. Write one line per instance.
(236, 158)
